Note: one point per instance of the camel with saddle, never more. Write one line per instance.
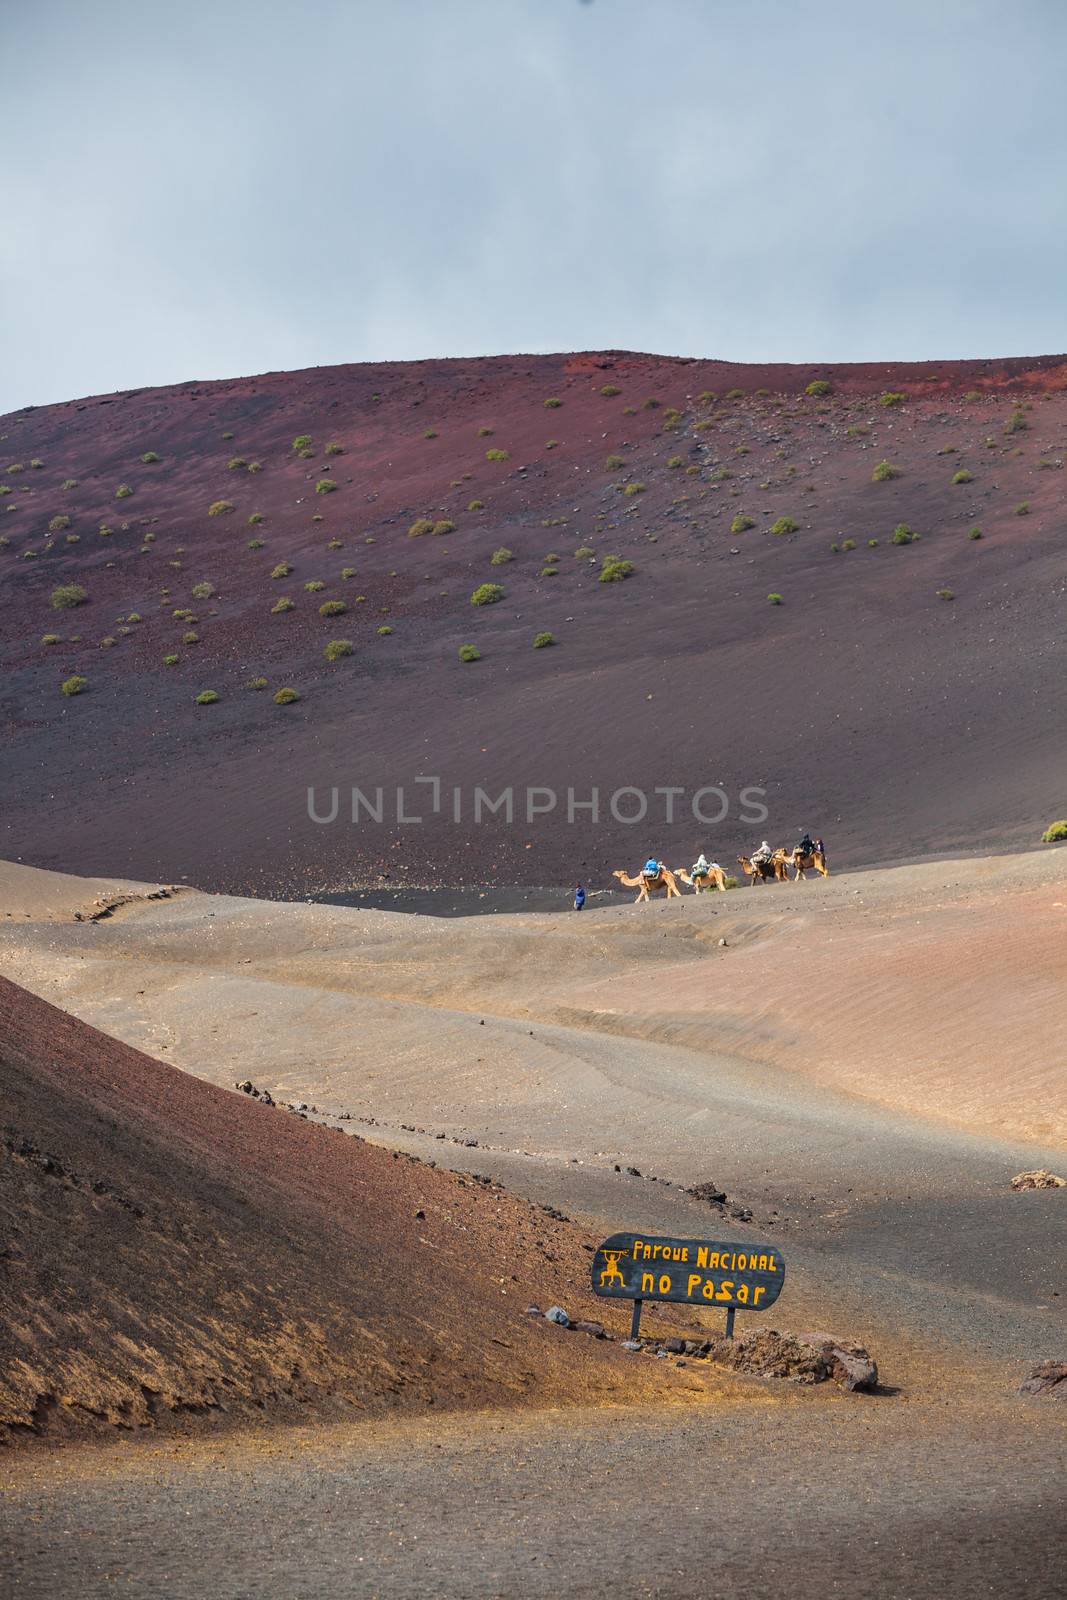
(646, 882)
(766, 869)
(714, 878)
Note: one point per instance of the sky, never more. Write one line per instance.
(207, 190)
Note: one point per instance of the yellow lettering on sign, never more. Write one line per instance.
(725, 1290)
(691, 1282)
(665, 1283)
(742, 1294)
(702, 1255)
(756, 1294)
(708, 1289)
(648, 1283)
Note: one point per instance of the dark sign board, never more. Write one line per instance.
(699, 1272)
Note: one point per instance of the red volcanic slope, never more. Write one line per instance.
(870, 709)
(173, 1251)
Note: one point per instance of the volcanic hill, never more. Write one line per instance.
(173, 1252)
(323, 532)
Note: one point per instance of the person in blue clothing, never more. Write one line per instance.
(651, 868)
(579, 898)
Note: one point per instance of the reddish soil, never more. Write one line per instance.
(888, 719)
(173, 1252)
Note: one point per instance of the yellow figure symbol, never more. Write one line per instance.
(611, 1274)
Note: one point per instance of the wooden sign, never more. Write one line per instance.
(696, 1272)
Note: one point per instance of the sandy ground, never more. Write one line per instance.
(864, 1063)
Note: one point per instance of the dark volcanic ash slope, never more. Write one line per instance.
(868, 706)
(171, 1250)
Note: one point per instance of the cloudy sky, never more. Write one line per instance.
(206, 188)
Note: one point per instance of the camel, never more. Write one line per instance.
(664, 879)
(802, 863)
(715, 878)
(772, 871)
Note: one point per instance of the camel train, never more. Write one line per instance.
(774, 869)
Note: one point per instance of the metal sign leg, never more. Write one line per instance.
(635, 1324)
(730, 1322)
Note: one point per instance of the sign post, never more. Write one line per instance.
(695, 1272)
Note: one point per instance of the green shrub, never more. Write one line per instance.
(334, 449)
(282, 570)
(301, 442)
(37, 462)
(476, 505)
(332, 608)
(634, 488)
(305, 455)
(74, 685)
(1023, 508)
(487, 594)
(735, 394)
(148, 457)
(818, 387)
(974, 533)
(255, 519)
(134, 616)
(719, 475)
(171, 661)
(220, 508)
(675, 461)
(610, 390)
(314, 586)
(202, 591)
(741, 522)
(651, 404)
(848, 544)
(963, 476)
(672, 417)
(972, 395)
(255, 466)
(325, 486)
(123, 492)
(284, 604)
(285, 697)
(501, 557)
(707, 397)
(902, 534)
(553, 403)
(584, 553)
(444, 525)
(16, 466)
(872, 544)
(613, 463)
(496, 455)
(420, 526)
(256, 683)
(614, 570)
(775, 599)
(335, 544)
(206, 697)
(884, 471)
(1017, 422)
(338, 648)
(541, 640)
(469, 652)
(858, 430)
(485, 433)
(190, 637)
(384, 630)
(50, 638)
(891, 398)
(57, 524)
(68, 595)
(1055, 833)
(784, 525)
(548, 572)
(235, 462)
(430, 433)
(227, 436)
(945, 594)
(256, 544)
(348, 572)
